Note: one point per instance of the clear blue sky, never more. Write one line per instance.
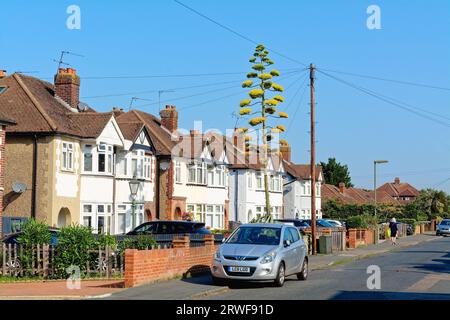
(163, 38)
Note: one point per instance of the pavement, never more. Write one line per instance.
(201, 287)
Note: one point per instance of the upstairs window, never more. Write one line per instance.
(250, 180)
(178, 172)
(87, 158)
(147, 167)
(122, 164)
(259, 181)
(67, 156)
(197, 173)
(105, 158)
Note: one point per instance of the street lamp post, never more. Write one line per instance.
(375, 192)
(134, 187)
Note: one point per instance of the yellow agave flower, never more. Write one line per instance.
(245, 111)
(271, 110)
(245, 102)
(275, 73)
(258, 67)
(271, 102)
(252, 75)
(279, 98)
(281, 128)
(276, 130)
(247, 83)
(283, 142)
(277, 87)
(247, 138)
(265, 76)
(256, 93)
(283, 115)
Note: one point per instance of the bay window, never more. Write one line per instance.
(197, 173)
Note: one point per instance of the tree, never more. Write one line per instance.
(335, 173)
(432, 202)
(264, 96)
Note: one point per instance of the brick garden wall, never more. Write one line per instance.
(146, 266)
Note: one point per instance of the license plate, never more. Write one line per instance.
(239, 269)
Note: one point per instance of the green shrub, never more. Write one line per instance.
(74, 245)
(412, 222)
(364, 221)
(106, 240)
(33, 233)
(140, 242)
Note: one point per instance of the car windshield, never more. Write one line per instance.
(256, 235)
(445, 223)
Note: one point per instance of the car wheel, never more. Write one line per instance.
(219, 281)
(303, 275)
(281, 276)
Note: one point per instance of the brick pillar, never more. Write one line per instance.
(208, 240)
(182, 242)
(130, 273)
(2, 172)
(352, 238)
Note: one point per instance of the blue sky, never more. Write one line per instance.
(138, 38)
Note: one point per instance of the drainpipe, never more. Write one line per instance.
(236, 191)
(157, 193)
(34, 177)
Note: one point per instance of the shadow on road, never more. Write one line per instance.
(386, 295)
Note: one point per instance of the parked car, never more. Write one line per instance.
(170, 227)
(321, 223)
(261, 252)
(335, 223)
(300, 224)
(13, 238)
(443, 228)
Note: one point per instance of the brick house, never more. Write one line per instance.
(403, 192)
(4, 122)
(356, 196)
(65, 153)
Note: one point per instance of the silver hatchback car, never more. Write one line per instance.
(443, 228)
(261, 252)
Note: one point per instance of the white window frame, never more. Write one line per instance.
(259, 181)
(67, 156)
(108, 151)
(250, 180)
(199, 173)
(177, 171)
(91, 148)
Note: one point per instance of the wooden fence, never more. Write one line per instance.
(40, 261)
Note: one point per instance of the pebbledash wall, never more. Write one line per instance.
(146, 266)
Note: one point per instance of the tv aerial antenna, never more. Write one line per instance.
(61, 58)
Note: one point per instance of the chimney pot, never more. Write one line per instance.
(2, 73)
(169, 118)
(67, 86)
(341, 187)
(194, 132)
(397, 180)
(285, 150)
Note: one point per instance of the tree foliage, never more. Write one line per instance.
(335, 173)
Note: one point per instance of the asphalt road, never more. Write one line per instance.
(418, 272)
(421, 271)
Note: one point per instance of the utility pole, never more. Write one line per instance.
(312, 76)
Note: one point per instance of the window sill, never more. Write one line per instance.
(67, 171)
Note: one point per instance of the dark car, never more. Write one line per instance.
(300, 224)
(13, 238)
(170, 227)
(320, 223)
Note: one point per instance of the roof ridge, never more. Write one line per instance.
(35, 102)
(149, 129)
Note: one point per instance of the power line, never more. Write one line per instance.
(298, 107)
(224, 97)
(441, 183)
(387, 100)
(388, 80)
(287, 76)
(237, 33)
(406, 173)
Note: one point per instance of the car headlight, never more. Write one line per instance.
(268, 258)
(217, 255)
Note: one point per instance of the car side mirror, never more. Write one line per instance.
(287, 243)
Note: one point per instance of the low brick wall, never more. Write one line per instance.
(358, 237)
(146, 266)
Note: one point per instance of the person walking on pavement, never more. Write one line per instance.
(394, 229)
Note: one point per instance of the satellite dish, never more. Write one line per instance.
(19, 187)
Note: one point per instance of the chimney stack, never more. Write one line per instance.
(285, 150)
(397, 180)
(2, 74)
(67, 86)
(169, 118)
(341, 187)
